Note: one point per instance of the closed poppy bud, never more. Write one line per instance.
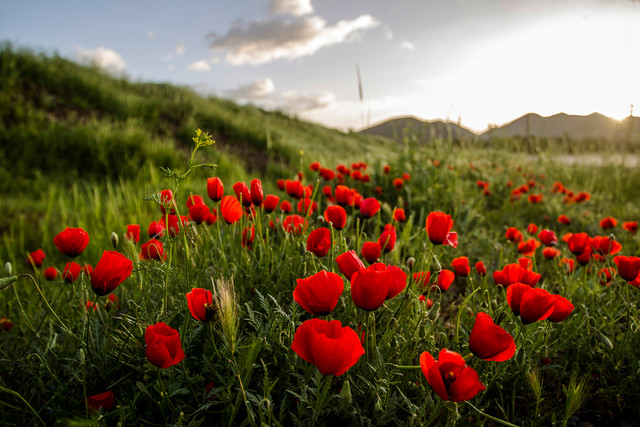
(50, 273)
(532, 304)
(156, 229)
(294, 189)
(489, 341)
(349, 263)
(231, 209)
(608, 222)
(163, 345)
(438, 228)
(628, 267)
(200, 302)
(387, 239)
(369, 207)
(319, 294)
(257, 195)
(514, 235)
(319, 241)
(270, 203)
(153, 249)
(332, 348)
(215, 188)
(36, 257)
(71, 272)
(445, 279)
(480, 268)
(133, 233)
(285, 206)
(242, 193)
(563, 219)
(548, 237)
(71, 241)
(562, 308)
(336, 216)
(294, 224)
(550, 253)
(371, 251)
(578, 243)
(450, 377)
(461, 266)
(399, 215)
(102, 401)
(248, 236)
(630, 226)
(112, 269)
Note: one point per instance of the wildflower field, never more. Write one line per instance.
(439, 284)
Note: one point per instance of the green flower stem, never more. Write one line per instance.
(16, 394)
(492, 418)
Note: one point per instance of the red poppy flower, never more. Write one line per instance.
(371, 251)
(370, 287)
(528, 247)
(215, 188)
(175, 225)
(630, 226)
(584, 257)
(512, 273)
(438, 228)
(307, 206)
(369, 207)
(71, 272)
(349, 263)
(319, 241)
(398, 280)
(327, 174)
(50, 273)
(200, 302)
(445, 279)
(112, 269)
(294, 224)
(578, 243)
(332, 348)
(398, 183)
(294, 189)
(87, 269)
(605, 245)
(387, 239)
(461, 266)
(257, 195)
(386, 169)
(562, 309)
(582, 197)
(133, 233)
(514, 235)
(535, 198)
(481, 269)
(563, 219)
(166, 200)
(426, 300)
(608, 222)
(281, 184)
(36, 257)
(5, 324)
(550, 252)
(319, 294)
(336, 216)
(548, 237)
(482, 184)
(532, 228)
(199, 213)
(489, 341)
(525, 263)
(231, 209)
(422, 278)
(628, 267)
(153, 249)
(532, 304)
(399, 215)
(248, 236)
(286, 207)
(156, 229)
(102, 401)
(450, 377)
(163, 345)
(315, 166)
(242, 193)
(606, 274)
(71, 241)
(344, 195)
(270, 203)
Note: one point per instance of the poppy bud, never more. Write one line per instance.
(8, 268)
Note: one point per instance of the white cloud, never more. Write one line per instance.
(291, 7)
(259, 89)
(180, 48)
(406, 45)
(200, 65)
(102, 57)
(267, 40)
(150, 34)
(297, 103)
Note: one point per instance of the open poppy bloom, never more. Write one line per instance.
(50, 273)
(605, 245)
(332, 348)
(344, 195)
(563, 219)
(550, 252)
(548, 237)
(371, 251)
(319, 241)
(319, 294)
(489, 341)
(578, 243)
(438, 229)
(608, 222)
(294, 189)
(450, 377)
(163, 345)
(71, 241)
(445, 279)
(133, 233)
(370, 287)
(71, 272)
(387, 239)
(336, 216)
(270, 203)
(562, 308)
(481, 269)
(422, 278)
(399, 215)
(102, 401)
(199, 213)
(514, 235)
(112, 269)
(628, 267)
(36, 257)
(294, 224)
(231, 209)
(200, 302)
(528, 247)
(349, 263)
(531, 304)
(461, 266)
(369, 207)
(630, 226)
(512, 273)
(153, 249)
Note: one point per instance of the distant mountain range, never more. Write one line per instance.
(558, 126)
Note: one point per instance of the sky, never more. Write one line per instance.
(479, 63)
